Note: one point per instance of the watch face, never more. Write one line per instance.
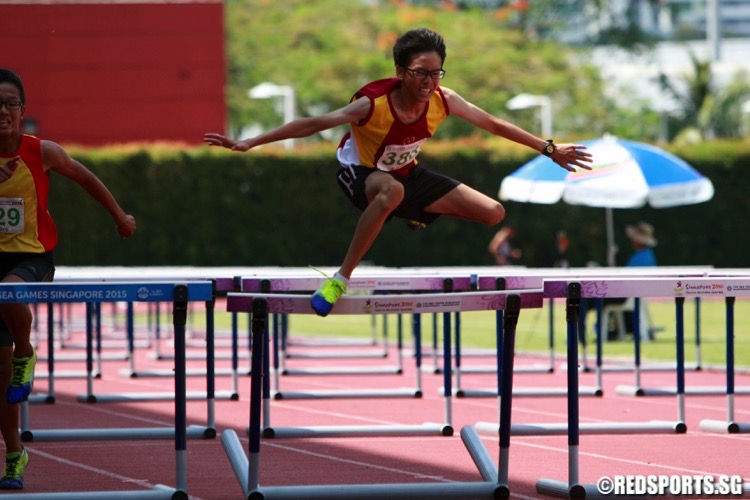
(550, 148)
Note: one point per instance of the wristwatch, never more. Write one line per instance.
(549, 148)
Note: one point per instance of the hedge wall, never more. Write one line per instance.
(209, 207)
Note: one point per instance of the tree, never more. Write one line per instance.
(327, 49)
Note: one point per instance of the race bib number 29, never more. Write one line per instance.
(11, 215)
(396, 156)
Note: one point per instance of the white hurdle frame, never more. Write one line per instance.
(180, 294)
(393, 283)
(259, 305)
(574, 290)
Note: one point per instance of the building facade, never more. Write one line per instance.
(98, 73)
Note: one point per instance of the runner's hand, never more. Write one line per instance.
(214, 139)
(7, 168)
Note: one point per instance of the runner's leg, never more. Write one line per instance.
(466, 203)
(384, 194)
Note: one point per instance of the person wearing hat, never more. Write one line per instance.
(641, 236)
(642, 239)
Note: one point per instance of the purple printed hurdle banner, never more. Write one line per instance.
(652, 287)
(382, 283)
(384, 304)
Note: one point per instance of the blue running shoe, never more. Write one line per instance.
(22, 379)
(329, 292)
(15, 466)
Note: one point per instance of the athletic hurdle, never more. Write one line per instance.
(517, 280)
(180, 294)
(247, 468)
(223, 281)
(574, 291)
(392, 283)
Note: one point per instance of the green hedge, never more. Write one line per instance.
(209, 207)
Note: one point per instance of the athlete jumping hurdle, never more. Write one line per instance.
(380, 174)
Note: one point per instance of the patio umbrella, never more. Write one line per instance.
(624, 174)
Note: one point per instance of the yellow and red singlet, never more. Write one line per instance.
(381, 140)
(25, 223)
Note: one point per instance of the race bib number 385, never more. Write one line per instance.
(11, 215)
(396, 156)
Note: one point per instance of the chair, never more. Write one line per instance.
(616, 313)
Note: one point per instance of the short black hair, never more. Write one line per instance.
(415, 42)
(7, 76)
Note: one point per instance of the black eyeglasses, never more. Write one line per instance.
(423, 74)
(11, 105)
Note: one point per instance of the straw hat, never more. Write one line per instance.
(642, 233)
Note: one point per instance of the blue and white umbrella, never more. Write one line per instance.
(624, 174)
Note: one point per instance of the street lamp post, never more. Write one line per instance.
(544, 102)
(268, 90)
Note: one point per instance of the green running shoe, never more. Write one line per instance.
(22, 379)
(329, 292)
(415, 225)
(15, 466)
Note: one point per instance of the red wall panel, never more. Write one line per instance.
(99, 73)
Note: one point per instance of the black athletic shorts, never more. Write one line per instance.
(422, 187)
(31, 267)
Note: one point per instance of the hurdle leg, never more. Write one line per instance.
(417, 333)
(90, 398)
(599, 346)
(210, 371)
(447, 371)
(512, 309)
(259, 322)
(680, 341)
(729, 426)
(457, 329)
(551, 302)
(698, 353)
(179, 315)
(571, 489)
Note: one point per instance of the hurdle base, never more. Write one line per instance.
(337, 355)
(46, 399)
(724, 427)
(169, 373)
(158, 492)
(540, 368)
(411, 491)
(353, 370)
(392, 491)
(374, 393)
(628, 390)
(606, 428)
(149, 396)
(426, 429)
(478, 452)
(145, 433)
(524, 392)
(560, 489)
(615, 367)
(435, 370)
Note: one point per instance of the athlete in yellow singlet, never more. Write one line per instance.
(380, 170)
(27, 240)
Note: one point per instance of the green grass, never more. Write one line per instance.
(478, 330)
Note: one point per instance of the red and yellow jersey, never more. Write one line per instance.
(25, 223)
(381, 140)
